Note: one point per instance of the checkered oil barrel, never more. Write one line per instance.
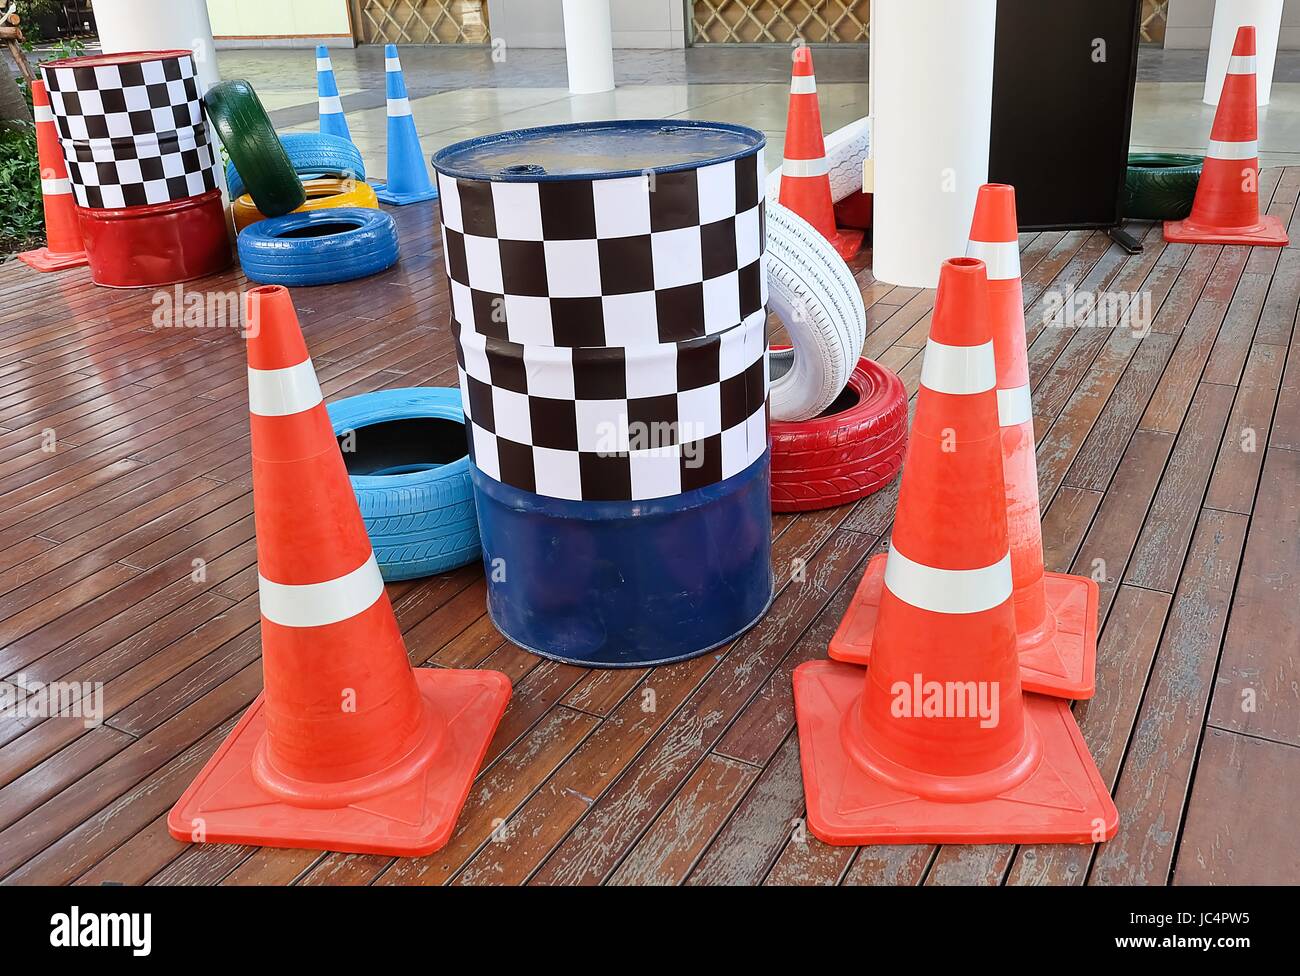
(141, 165)
(608, 302)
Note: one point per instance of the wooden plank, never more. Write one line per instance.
(1158, 556)
(1241, 455)
(895, 864)
(745, 850)
(806, 861)
(1095, 464)
(22, 841)
(1232, 840)
(1106, 549)
(1124, 654)
(1179, 382)
(672, 845)
(609, 828)
(486, 818)
(768, 721)
(1277, 319)
(1286, 420)
(1062, 443)
(1257, 689)
(1158, 764)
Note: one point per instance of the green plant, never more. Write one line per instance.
(29, 10)
(22, 219)
(68, 47)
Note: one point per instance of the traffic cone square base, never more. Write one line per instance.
(1064, 666)
(402, 199)
(43, 259)
(226, 805)
(1063, 801)
(1269, 232)
(847, 242)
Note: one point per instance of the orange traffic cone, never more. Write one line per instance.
(348, 748)
(1226, 207)
(805, 179)
(1056, 614)
(936, 742)
(63, 244)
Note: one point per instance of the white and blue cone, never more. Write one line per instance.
(332, 120)
(408, 177)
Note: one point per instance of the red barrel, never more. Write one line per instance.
(139, 247)
(142, 165)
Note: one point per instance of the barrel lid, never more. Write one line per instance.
(596, 150)
(125, 57)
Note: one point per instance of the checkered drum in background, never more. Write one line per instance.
(132, 131)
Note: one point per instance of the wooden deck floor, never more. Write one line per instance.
(1168, 461)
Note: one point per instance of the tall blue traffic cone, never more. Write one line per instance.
(332, 120)
(408, 178)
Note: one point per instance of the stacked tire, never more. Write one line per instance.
(839, 422)
(854, 448)
(289, 239)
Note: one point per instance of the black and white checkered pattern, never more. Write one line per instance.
(607, 262)
(616, 424)
(132, 132)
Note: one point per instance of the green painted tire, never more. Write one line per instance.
(1160, 186)
(245, 130)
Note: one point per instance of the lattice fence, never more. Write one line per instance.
(1155, 14)
(780, 21)
(421, 21)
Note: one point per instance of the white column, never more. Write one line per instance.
(153, 25)
(589, 46)
(1266, 17)
(932, 101)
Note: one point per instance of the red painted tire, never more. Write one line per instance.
(850, 450)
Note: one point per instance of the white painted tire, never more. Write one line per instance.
(846, 148)
(813, 293)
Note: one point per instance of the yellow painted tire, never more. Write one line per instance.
(323, 193)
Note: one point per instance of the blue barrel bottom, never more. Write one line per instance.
(627, 584)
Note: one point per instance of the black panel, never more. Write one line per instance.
(1061, 116)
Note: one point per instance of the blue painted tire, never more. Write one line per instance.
(311, 153)
(420, 522)
(318, 247)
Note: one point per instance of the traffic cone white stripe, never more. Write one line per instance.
(392, 64)
(1001, 258)
(330, 104)
(1241, 64)
(948, 590)
(323, 64)
(803, 85)
(1247, 149)
(398, 107)
(54, 187)
(321, 604)
(42, 113)
(805, 167)
(282, 392)
(1015, 406)
(958, 369)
